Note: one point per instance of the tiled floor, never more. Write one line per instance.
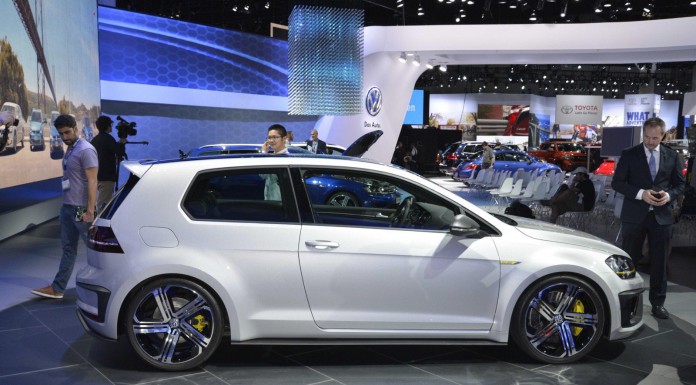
(42, 342)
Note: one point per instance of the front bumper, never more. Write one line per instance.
(631, 308)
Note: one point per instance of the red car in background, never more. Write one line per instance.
(518, 121)
(607, 167)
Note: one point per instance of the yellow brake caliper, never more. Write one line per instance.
(199, 323)
(578, 307)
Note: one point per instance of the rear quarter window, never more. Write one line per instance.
(258, 195)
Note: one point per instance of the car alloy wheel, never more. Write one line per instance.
(344, 199)
(558, 320)
(174, 324)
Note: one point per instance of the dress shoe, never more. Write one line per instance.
(47, 292)
(659, 311)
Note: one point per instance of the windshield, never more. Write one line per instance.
(571, 147)
(36, 116)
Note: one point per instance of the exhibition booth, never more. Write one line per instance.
(188, 85)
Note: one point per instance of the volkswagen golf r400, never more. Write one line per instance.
(191, 253)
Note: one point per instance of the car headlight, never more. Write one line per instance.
(622, 266)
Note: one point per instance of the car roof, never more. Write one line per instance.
(139, 167)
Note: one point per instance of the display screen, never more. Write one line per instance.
(616, 139)
(50, 65)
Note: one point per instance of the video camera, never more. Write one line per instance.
(125, 128)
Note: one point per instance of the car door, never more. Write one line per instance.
(364, 268)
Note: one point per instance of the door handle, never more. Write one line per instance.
(322, 245)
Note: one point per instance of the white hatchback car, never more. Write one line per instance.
(196, 251)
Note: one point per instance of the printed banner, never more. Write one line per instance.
(640, 108)
(579, 109)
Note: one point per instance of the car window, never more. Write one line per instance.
(510, 157)
(500, 156)
(469, 148)
(522, 157)
(573, 147)
(258, 195)
(452, 147)
(544, 146)
(344, 197)
(119, 197)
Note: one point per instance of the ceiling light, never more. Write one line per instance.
(533, 17)
(598, 10)
(267, 5)
(607, 4)
(402, 57)
(457, 20)
(416, 61)
(429, 65)
(443, 67)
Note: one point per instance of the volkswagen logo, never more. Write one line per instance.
(373, 101)
(567, 109)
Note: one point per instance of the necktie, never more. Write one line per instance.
(651, 164)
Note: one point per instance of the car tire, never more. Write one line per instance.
(183, 338)
(558, 320)
(344, 199)
(14, 142)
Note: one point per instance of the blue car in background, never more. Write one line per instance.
(55, 140)
(36, 129)
(505, 160)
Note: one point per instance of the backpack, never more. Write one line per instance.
(519, 209)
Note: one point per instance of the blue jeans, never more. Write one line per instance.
(70, 232)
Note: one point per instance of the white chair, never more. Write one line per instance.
(529, 190)
(516, 190)
(505, 188)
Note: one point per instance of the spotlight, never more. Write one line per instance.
(443, 68)
(416, 61)
(429, 65)
(533, 17)
(402, 57)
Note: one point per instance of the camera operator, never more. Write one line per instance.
(109, 152)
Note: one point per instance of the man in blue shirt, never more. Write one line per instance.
(79, 183)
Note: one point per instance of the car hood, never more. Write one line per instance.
(362, 144)
(553, 233)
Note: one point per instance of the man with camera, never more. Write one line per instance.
(649, 176)
(79, 184)
(109, 152)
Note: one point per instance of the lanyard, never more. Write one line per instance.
(67, 155)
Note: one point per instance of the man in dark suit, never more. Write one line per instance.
(649, 176)
(316, 145)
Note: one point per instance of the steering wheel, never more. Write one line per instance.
(401, 214)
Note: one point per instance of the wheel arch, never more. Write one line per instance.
(522, 287)
(121, 329)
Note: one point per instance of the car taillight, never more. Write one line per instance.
(471, 166)
(451, 157)
(103, 239)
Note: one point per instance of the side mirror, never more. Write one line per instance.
(464, 226)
